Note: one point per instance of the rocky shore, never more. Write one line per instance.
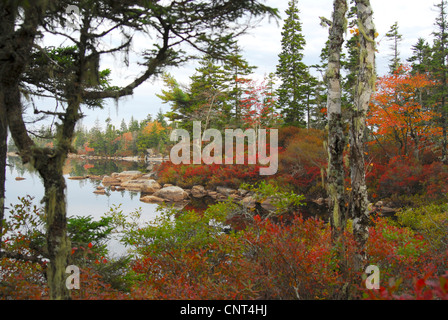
(153, 158)
(153, 192)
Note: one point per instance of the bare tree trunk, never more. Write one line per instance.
(6, 29)
(49, 163)
(14, 50)
(3, 151)
(363, 93)
(58, 243)
(336, 138)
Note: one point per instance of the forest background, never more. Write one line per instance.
(405, 160)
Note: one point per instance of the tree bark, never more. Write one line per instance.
(363, 93)
(15, 56)
(15, 46)
(49, 164)
(58, 243)
(336, 137)
(3, 151)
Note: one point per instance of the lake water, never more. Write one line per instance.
(81, 201)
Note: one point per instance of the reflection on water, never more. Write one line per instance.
(83, 167)
(81, 201)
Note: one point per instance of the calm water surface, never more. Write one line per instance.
(81, 201)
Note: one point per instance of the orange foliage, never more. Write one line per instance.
(88, 149)
(396, 113)
(153, 126)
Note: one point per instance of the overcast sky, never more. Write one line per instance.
(263, 44)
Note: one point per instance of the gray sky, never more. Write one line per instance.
(262, 45)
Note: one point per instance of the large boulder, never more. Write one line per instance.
(173, 194)
(150, 186)
(110, 181)
(143, 185)
(151, 199)
(129, 175)
(198, 192)
(225, 191)
(268, 204)
(248, 202)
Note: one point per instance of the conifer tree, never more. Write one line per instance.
(421, 56)
(440, 70)
(237, 70)
(395, 37)
(291, 70)
(214, 94)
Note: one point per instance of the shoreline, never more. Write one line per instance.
(114, 158)
(118, 158)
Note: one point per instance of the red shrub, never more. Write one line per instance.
(402, 176)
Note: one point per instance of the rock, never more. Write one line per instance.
(95, 177)
(166, 185)
(386, 211)
(172, 193)
(235, 197)
(267, 204)
(143, 185)
(100, 191)
(129, 175)
(198, 192)
(212, 194)
(225, 191)
(100, 188)
(151, 175)
(109, 181)
(20, 179)
(76, 178)
(248, 202)
(379, 204)
(150, 186)
(221, 197)
(242, 192)
(151, 199)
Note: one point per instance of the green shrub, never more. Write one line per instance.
(431, 221)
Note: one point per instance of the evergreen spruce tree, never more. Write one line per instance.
(292, 72)
(123, 126)
(421, 57)
(421, 60)
(209, 94)
(395, 37)
(237, 70)
(440, 70)
(214, 94)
